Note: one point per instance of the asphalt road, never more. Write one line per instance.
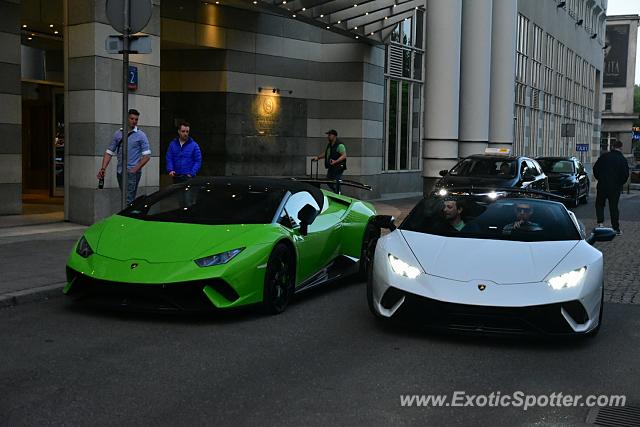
(324, 361)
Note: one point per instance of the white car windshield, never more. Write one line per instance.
(519, 219)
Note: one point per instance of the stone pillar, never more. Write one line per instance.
(503, 64)
(93, 99)
(10, 109)
(442, 88)
(475, 77)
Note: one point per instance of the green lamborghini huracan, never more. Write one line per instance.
(220, 243)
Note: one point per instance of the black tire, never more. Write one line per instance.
(369, 240)
(576, 200)
(594, 332)
(585, 199)
(279, 280)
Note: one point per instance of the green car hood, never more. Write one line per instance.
(124, 238)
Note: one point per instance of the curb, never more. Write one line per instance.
(31, 295)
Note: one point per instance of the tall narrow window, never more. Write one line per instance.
(404, 127)
(607, 101)
(392, 128)
(404, 77)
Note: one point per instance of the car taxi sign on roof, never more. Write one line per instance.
(500, 151)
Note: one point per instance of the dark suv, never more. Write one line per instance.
(494, 171)
(567, 178)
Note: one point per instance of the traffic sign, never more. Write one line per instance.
(139, 14)
(137, 44)
(582, 147)
(132, 83)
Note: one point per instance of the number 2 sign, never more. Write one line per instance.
(132, 80)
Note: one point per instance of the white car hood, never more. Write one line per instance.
(500, 261)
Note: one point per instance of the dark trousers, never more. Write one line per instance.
(132, 185)
(601, 198)
(336, 174)
(177, 179)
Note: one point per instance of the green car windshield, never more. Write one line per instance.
(209, 205)
(519, 219)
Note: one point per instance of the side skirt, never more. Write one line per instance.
(341, 266)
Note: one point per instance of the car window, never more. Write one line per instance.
(557, 165)
(519, 219)
(295, 203)
(485, 167)
(208, 204)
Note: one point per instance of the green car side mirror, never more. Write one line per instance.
(306, 216)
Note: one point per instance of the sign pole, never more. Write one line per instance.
(125, 103)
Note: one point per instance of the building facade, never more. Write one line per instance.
(618, 83)
(410, 85)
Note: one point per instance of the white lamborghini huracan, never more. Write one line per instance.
(507, 262)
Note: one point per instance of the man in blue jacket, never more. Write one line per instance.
(183, 155)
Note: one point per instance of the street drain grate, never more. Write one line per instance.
(618, 416)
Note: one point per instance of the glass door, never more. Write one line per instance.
(57, 183)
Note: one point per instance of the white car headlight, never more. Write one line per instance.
(217, 259)
(568, 280)
(402, 268)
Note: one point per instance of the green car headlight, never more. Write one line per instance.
(567, 280)
(83, 249)
(218, 259)
(402, 268)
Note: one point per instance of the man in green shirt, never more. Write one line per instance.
(335, 159)
(453, 215)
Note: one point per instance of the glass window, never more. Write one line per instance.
(556, 165)
(404, 127)
(296, 202)
(392, 124)
(416, 113)
(417, 66)
(607, 101)
(406, 31)
(419, 29)
(406, 63)
(485, 167)
(208, 204)
(538, 220)
(395, 34)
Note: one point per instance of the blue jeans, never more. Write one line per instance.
(335, 173)
(132, 185)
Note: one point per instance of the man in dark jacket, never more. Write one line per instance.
(183, 155)
(612, 171)
(335, 159)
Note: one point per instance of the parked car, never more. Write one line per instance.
(493, 169)
(521, 264)
(221, 243)
(567, 178)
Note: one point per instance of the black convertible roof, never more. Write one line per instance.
(255, 183)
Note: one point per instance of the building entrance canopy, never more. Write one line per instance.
(368, 20)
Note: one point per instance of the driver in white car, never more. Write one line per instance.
(523, 221)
